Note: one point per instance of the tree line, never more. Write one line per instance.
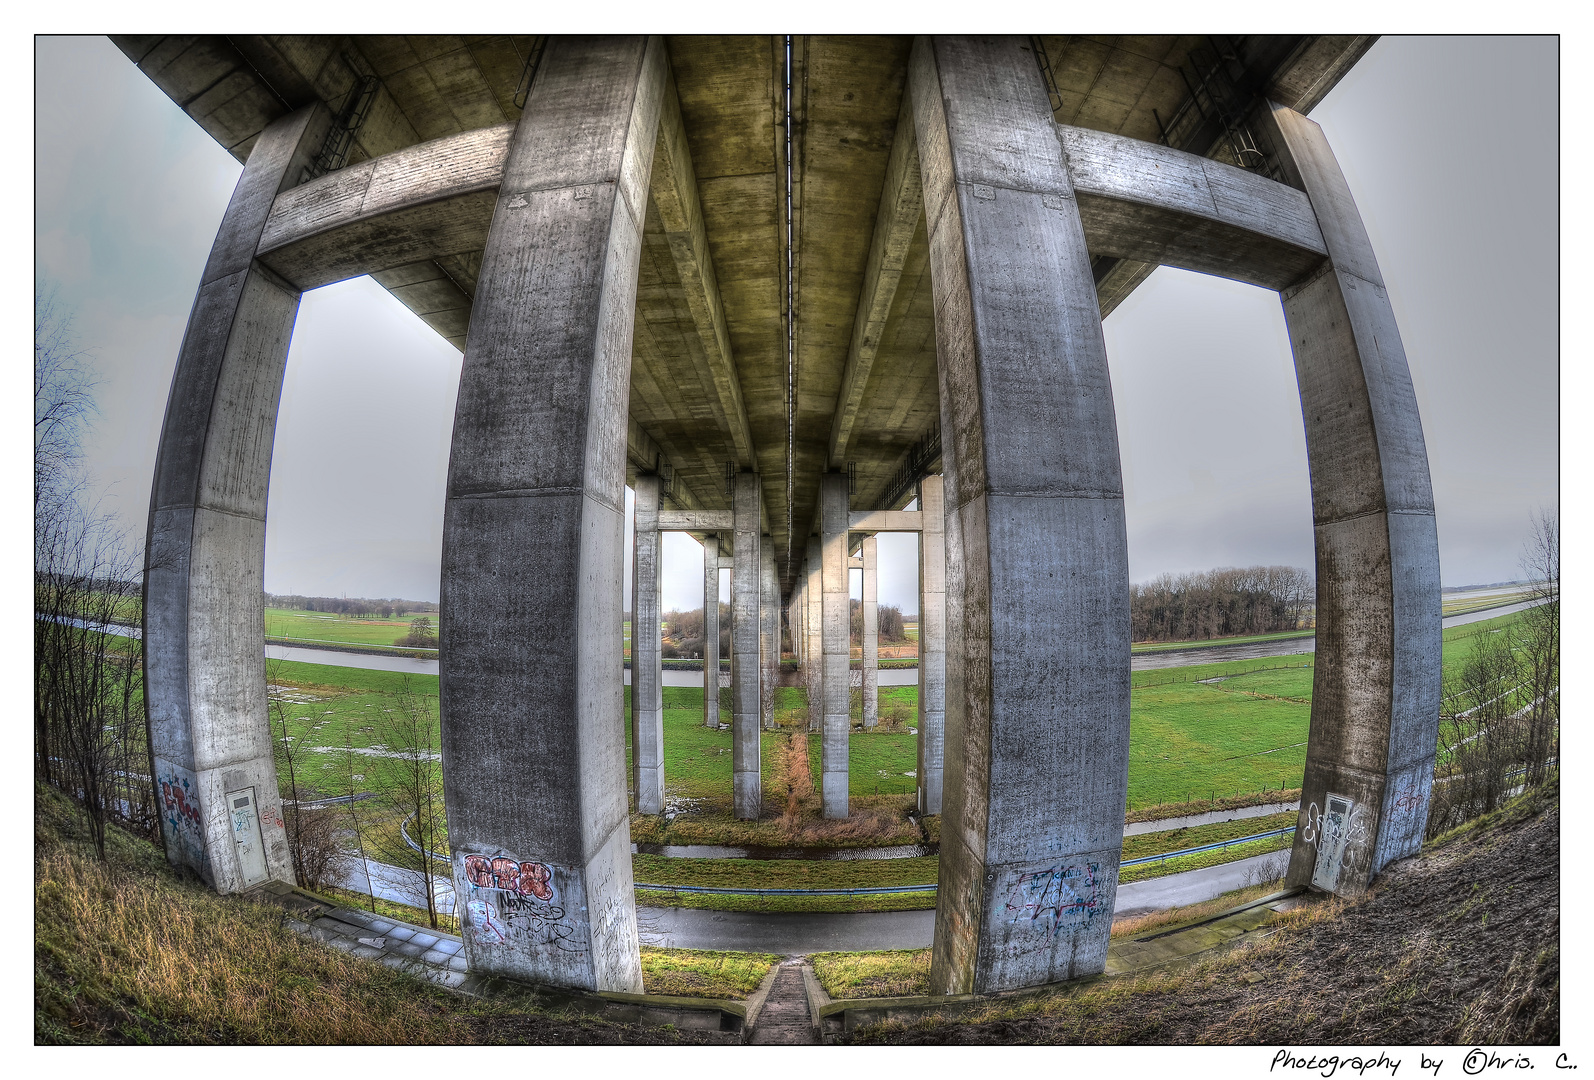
(356, 607)
(1222, 603)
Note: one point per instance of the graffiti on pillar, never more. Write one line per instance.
(1334, 831)
(1406, 801)
(1065, 897)
(512, 901)
(184, 825)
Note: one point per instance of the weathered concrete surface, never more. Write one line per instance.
(747, 667)
(1154, 204)
(647, 655)
(711, 631)
(205, 557)
(837, 649)
(813, 635)
(711, 279)
(768, 631)
(1375, 687)
(533, 751)
(932, 644)
(1037, 574)
(871, 632)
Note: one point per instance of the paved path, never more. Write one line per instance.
(1213, 818)
(784, 1019)
(786, 934)
(1194, 886)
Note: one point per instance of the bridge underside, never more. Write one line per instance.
(614, 260)
(710, 366)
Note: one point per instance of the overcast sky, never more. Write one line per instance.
(130, 192)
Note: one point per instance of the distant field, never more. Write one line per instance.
(1189, 739)
(317, 626)
(1463, 604)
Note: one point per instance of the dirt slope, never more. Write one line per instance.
(1457, 945)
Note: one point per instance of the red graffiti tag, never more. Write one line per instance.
(176, 801)
(524, 878)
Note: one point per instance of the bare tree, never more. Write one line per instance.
(410, 781)
(90, 735)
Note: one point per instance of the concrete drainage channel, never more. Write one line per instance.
(789, 1008)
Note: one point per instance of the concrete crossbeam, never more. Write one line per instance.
(836, 649)
(647, 656)
(747, 666)
(697, 521)
(1037, 718)
(1376, 685)
(205, 556)
(872, 521)
(533, 744)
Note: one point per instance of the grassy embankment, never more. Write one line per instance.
(1195, 746)
(136, 952)
(1431, 955)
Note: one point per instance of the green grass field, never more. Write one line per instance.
(316, 626)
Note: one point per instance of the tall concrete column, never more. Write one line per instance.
(769, 631)
(836, 645)
(533, 737)
(932, 643)
(871, 632)
(711, 631)
(647, 652)
(204, 634)
(747, 668)
(813, 641)
(1037, 710)
(1375, 688)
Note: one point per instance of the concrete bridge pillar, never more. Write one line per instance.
(1037, 709)
(204, 631)
(711, 631)
(747, 666)
(769, 630)
(871, 632)
(1376, 685)
(813, 641)
(932, 643)
(533, 743)
(836, 646)
(647, 663)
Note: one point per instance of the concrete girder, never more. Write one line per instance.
(675, 195)
(1037, 709)
(204, 637)
(533, 745)
(901, 205)
(1376, 684)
